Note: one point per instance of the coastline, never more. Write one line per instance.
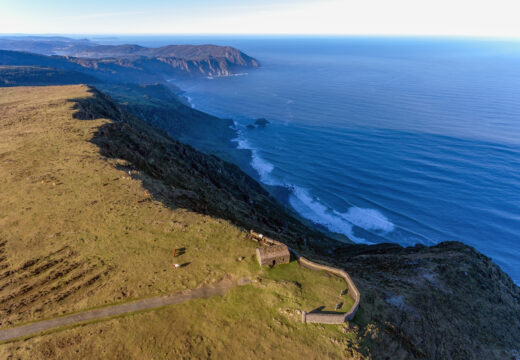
(247, 157)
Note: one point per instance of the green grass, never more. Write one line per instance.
(250, 322)
(59, 191)
(309, 289)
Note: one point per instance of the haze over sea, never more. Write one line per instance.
(406, 140)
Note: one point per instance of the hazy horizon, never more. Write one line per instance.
(483, 18)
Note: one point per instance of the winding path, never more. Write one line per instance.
(220, 288)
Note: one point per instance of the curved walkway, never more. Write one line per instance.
(220, 288)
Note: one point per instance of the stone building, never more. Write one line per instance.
(272, 255)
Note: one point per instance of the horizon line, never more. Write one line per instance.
(452, 36)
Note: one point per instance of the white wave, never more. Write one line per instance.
(368, 219)
(262, 166)
(190, 101)
(342, 223)
(311, 208)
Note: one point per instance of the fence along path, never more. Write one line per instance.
(322, 317)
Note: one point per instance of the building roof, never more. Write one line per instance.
(274, 250)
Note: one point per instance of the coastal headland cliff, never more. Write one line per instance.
(98, 190)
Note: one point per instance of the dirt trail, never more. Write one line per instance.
(220, 288)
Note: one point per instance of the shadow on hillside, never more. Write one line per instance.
(179, 176)
(182, 177)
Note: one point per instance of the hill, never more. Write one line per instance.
(46, 45)
(130, 63)
(95, 200)
(163, 109)
(33, 75)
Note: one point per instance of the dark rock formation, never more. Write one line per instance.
(261, 122)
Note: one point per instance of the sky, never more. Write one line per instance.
(490, 18)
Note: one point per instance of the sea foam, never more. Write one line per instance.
(343, 223)
(262, 166)
(312, 208)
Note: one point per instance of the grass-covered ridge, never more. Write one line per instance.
(36, 76)
(93, 203)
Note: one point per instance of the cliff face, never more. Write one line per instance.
(442, 302)
(172, 60)
(187, 52)
(132, 62)
(222, 189)
(163, 109)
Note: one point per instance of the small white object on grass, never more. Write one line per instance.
(176, 265)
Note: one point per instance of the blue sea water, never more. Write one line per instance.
(407, 140)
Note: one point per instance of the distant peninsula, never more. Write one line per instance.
(129, 62)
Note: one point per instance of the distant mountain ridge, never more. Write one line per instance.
(166, 61)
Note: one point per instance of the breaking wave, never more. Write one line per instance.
(343, 223)
(310, 207)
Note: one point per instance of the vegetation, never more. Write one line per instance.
(125, 63)
(91, 211)
(160, 107)
(33, 76)
(442, 302)
(250, 322)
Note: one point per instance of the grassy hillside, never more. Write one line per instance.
(93, 203)
(94, 200)
(34, 76)
(164, 110)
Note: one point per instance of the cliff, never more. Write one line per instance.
(190, 60)
(94, 201)
(133, 62)
(103, 196)
(442, 302)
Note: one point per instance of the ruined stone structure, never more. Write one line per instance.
(317, 317)
(273, 255)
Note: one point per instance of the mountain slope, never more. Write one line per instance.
(160, 107)
(93, 203)
(94, 200)
(109, 71)
(442, 302)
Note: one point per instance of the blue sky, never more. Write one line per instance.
(497, 18)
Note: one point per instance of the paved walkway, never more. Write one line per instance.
(220, 288)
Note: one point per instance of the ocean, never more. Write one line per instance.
(405, 140)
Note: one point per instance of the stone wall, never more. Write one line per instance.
(324, 317)
(332, 318)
